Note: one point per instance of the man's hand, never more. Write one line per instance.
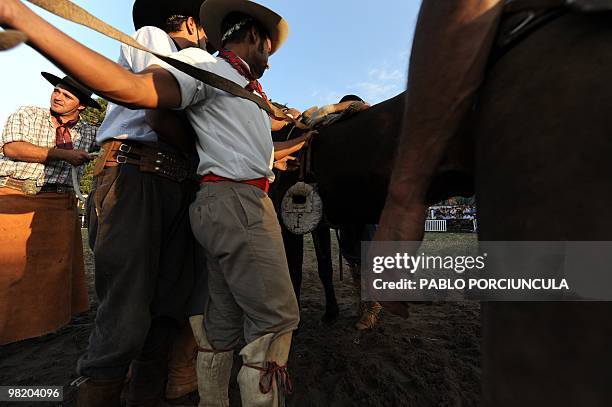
(9, 10)
(74, 157)
(30, 153)
(283, 148)
(287, 164)
(293, 113)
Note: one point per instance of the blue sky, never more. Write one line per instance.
(334, 48)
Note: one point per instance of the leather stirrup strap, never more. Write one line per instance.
(70, 11)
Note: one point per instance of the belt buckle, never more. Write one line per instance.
(121, 159)
(61, 189)
(29, 187)
(124, 148)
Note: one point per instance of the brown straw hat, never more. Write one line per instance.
(78, 90)
(213, 12)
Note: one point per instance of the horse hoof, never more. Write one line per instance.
(331, 314)
(401, 309)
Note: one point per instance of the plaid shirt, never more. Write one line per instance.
(34, 125)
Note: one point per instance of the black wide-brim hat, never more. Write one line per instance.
(78, 90)
(213, 12)
(156, 12)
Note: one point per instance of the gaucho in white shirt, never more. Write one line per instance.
(250, 294)
(233, 133)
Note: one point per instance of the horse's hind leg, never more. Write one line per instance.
(322, 243)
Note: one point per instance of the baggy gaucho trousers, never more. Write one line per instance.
(144, 260)
(250, 291)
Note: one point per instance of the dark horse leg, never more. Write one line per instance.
(322, 244)
(294, 250)
(543, 134)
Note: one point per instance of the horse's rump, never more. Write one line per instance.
(543, 142)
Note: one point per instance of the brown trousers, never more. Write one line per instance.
(42, 278)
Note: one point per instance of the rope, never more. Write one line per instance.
(75, 184)
(267, 375)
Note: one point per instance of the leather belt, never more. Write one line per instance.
(57, 188)
(148, 158)
(27, 186)
(261, 183)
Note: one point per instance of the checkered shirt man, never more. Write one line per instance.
(34, 125)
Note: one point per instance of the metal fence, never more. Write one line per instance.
(435, 225)
(451, 225)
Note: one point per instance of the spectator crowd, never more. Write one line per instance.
(451, 212)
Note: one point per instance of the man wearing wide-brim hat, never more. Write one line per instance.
(139, 230)
(42, 279)
(232, 217)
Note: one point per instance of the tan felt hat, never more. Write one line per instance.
(213, 12)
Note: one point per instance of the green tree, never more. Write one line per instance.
(95, 118)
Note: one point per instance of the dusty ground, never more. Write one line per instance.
(430, 360)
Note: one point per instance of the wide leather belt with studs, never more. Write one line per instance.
(147, 158)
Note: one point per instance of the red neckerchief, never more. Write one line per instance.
(62, 132)
(243, 70)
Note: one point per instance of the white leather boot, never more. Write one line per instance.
(263, 378)
(213, 368)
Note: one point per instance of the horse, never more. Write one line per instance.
(294, 244)
(538, 145)
(352, 161)
(353, 193)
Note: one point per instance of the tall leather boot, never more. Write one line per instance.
(99, 392)
(263, 378)
(213, 367)
(182, 378)
(146, 387)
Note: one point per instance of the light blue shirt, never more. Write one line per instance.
(121, 122)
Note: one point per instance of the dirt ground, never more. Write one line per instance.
(431, 359)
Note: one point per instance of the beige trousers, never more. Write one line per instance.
(249, 288)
